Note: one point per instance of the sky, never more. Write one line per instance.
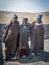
(24, 5)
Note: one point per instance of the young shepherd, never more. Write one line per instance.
(24, 37)
(11, 37)
(37, 35)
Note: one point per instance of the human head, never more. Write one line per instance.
(15, 17)
(25, 20)
(39, 17)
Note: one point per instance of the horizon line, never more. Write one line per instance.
(23, 11)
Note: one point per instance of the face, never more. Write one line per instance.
(38, 20)
(25, 21)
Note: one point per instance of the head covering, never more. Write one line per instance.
(39, 16)
(25, 19)
(15, 16)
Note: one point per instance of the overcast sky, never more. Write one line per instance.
(24, 5)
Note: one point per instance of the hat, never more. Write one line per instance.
(15, 16)
(39, 16)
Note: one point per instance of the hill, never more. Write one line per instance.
(6, 16)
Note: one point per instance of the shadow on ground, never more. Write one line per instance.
(42, 56)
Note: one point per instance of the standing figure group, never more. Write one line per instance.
(23, 39)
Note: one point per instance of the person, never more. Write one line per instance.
(39, 34)
(37, 37)
(24, 37)
(11, 37)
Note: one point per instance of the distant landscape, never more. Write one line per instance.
(6, 16)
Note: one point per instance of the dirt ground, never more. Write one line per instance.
(41, 59)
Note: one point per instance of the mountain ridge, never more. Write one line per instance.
(6, 16)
